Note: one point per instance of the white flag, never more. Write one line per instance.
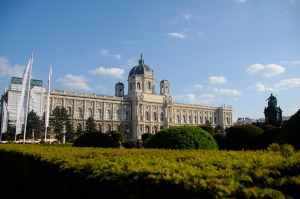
(24, 98)
(4, 117)
(48, 99)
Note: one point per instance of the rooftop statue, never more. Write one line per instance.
(272, 101)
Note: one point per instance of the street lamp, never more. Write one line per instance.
(33, 136)
(64, 131)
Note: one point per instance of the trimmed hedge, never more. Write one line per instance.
(220, 139)
(241, 136)
(117, 136)
(182, 137)
(263, 140)
(130, 143)
(145, 136)
(54, 171)
(290, 131)
(95, 140)
(266, 127)
(209, 129)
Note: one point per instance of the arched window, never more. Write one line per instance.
(161, 116)
(183, 119)
(161, 127)
(167, 89)
(227, 120)
(99, 128)
(125, 115)
(177, 118)
(149, 85)
(80, 113)
(154, 130)
(108, 115)
(117, 115)
(215, 120)
(89, 112)
(195, 119)
(200, 119)
(69, 111)
(147, 115)
(116, 93)
(190, 119)
(99, 113)
(210, 120)
(138, 85)
(121, 91)
(154, 116)
(108, 129)
(146, 129)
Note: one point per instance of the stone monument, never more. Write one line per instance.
(273, 114)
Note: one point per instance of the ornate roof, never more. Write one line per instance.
(119, 83)
(140, 69)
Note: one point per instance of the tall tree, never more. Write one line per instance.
(207, 123)
(56, 119)
(219, 129)
(90, 125)
(34, 123)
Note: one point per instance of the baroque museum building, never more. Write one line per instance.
(141, 110)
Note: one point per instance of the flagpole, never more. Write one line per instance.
(47, 103)
(28, 98)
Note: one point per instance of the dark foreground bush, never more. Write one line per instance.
(263, 140)
(95, 140)
(290, 131)
(145, 136)
(182, 137)
(220, 138)
(207, 128)
(241, 136)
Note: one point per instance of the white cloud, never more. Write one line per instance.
(206, 98)
(188, 98)
(176, 35)
(267, 71)
(260, 87)
(117, 56)
(196, 87)
(217, 80)
(288, 83)
(104, 53)
(187, 16)
(102, 89)
(130, 63)
(290, 62)
(7, 70)
(174, 21)
(227, 91)
(73, 81)
(241, 1)
(200, 34)
(112, 72)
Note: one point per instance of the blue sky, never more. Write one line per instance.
(232, 52)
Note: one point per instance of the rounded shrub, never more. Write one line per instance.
(266, 127)
(268, 137)
(241, 136)
(130, 143)
(182, 137)
(95, 140)
(290, 131)
(145, 136)
(117, 136)
(220, 139)
(209, 129)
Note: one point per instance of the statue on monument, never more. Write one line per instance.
(272, 101)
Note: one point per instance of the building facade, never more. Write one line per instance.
(141, 110)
